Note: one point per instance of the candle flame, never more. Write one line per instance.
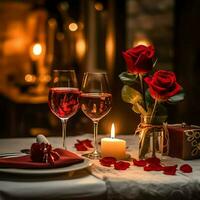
(113, 130)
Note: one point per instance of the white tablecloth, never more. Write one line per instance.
(104, 183)
(81, 185)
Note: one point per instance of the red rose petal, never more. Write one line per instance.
(80, 147)
(153, 160)
(139, 163)
(186, 168)
(107, 161)
(88, 143)
(83, 145)
(153, 167)
(170, 170)
(121, 165)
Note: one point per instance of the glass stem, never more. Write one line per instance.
(64, 125)
(95, 137)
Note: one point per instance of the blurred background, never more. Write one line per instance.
(37, 36)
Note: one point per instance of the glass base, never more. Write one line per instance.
(93, 155)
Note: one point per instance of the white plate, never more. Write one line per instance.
(86, 163)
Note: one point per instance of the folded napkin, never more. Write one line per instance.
(24, 162)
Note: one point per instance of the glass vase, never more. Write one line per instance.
(151, 136)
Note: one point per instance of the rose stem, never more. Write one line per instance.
(143, 90)
(153, 136)
(154, 109)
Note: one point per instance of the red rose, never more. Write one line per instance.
(163, 85)
(139, 59)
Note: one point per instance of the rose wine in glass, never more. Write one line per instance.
(96, 101)
(64, 97)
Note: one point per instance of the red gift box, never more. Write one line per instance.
(184, 141)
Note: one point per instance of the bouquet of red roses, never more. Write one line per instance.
(161, 84)
(147, 89)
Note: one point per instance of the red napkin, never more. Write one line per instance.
(24, 162)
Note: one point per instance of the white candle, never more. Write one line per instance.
(113, 147)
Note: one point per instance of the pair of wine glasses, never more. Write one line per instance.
(65, 98)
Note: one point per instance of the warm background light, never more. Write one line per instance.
(80, 47)
(144, 42)
(37, 49)
(98, 6)
(30, 78)
(73, 27)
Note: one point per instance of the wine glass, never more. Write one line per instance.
(64, 97)
(96, 102)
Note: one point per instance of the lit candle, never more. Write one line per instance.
(113, 147)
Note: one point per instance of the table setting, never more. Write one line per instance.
(160, 161)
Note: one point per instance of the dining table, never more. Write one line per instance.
(91, 180)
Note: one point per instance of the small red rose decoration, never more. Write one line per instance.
(42, 152)
(83, 145)
(139, 59)
(121, 165)
(107, 161)
(186, 168)
(163, 85)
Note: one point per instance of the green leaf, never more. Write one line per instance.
(178, 97)
(139, 109)
(130, 95)
(127, 78)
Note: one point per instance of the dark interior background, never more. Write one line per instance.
(105, 29)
